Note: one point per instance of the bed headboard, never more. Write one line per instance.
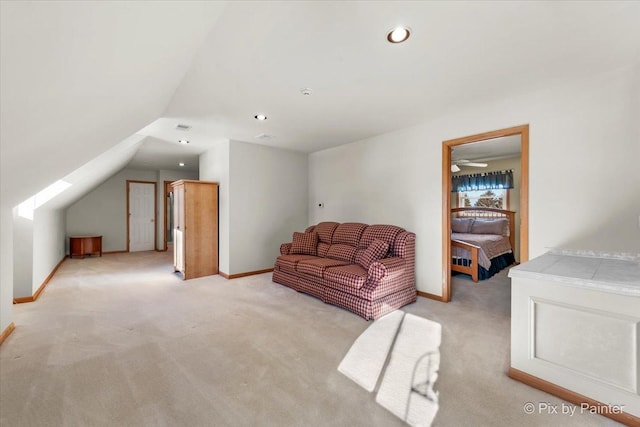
(480, 212)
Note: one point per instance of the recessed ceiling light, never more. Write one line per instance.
(398, 34)
(183, 141)
(260, 117)
(180, 164)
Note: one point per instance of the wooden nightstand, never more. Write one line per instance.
(85, 245)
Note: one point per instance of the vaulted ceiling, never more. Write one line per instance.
(77, 78)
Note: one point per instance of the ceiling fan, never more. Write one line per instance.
(455, 165)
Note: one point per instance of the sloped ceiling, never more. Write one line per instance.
(260, 54)
(95, 172)
(77, 78)
(155, 154)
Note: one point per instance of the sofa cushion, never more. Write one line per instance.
(461, 225)
(317, 266)
(387, 268)
(351, 275)
(285, 248)
(325, 231)
(288, 262)
(386, 233)
(323, 248)
(348, 233)
(342, 252)
(304, 243)
(376, 250)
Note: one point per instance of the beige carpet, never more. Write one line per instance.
(366, 359)
(407, 386)
(120, 340)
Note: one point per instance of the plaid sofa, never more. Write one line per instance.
(333, 275)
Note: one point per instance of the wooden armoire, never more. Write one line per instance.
(195, 228)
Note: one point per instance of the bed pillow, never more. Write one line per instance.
(304, 243)
(461, 225)
(376, 250)
(499, 226)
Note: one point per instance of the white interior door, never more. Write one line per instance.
(141, 216)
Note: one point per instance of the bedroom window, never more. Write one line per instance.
(497, 198)
(486, 190)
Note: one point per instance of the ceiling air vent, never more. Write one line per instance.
(180, 126)
(264, 137)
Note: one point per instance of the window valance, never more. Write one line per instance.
(482, 181)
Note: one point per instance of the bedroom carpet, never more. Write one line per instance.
(121, 340)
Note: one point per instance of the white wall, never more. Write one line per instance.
(262, 201)
(104, 210)
(584, 190)
(38, 246)
(6, 267)
(269, 202)
(48, 243)
(22, 256)
(167, 175)
(214, 166)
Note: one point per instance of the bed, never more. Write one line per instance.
(482, 241)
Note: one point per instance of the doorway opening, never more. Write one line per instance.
(168, 215)
(522, 236)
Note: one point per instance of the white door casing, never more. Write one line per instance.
(141, 216)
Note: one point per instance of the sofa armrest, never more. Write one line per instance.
(386, 268)
(285, 248)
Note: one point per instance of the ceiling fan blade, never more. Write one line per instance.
(475, 165)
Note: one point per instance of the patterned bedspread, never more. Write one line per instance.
(491, 246)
